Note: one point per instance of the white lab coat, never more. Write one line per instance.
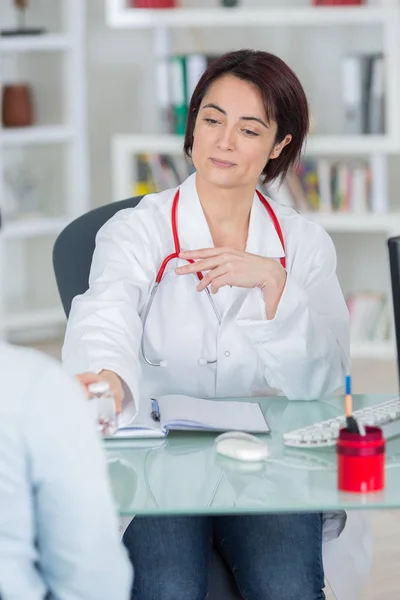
(302, 353)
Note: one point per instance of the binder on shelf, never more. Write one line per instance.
(355, 75)
(379, 184)
(162, 85)
(195, 65)
(176, 79)
(178, 93)
(363, 92)
(376, 113)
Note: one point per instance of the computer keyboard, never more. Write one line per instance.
(385, 415)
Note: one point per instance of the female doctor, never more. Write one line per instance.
(212, 290)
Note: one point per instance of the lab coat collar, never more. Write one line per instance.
(263, 238)
(193, 229)
(194, 232)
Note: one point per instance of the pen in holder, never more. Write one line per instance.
(360, 453)
(351, 424)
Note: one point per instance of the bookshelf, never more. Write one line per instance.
(125, 147)
(36, 43)
(119, 15)
(53, 134)
(64, 135)
(162, 24)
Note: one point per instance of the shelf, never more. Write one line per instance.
(163, 143)
(120, 16)
(125, 146)
(35, 43)
(34, 319)
(36, 135)
(317, 145)
(359, 145)
(388, 223)
(31, 227)
(373, 350)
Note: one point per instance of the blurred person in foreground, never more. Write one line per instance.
(58, 529)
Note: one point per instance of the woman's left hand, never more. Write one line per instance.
(227, 266)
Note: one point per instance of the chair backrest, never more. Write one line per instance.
(394, 261)
(74, 247)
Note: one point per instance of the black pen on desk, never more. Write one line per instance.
(155, 410)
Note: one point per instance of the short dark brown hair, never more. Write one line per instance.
(283, 95)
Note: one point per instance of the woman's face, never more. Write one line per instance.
(232, 139)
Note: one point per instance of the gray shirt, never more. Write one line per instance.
(58, 529)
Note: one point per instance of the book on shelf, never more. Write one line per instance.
(369, 316)
(363, 93)
(332, 186)
(153, 3)
(158, 172)
(316, 185)
(176, 79)
(338, 2)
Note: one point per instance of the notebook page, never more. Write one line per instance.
(187, 412)
(142, 425)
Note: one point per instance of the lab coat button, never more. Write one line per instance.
(227, 353)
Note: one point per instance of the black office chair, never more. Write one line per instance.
(72, 258)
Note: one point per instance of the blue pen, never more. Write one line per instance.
(352, 425)
(155, 409)
(348, 385)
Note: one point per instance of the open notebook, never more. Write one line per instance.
(179, 412)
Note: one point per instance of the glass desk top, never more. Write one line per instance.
(182, 474)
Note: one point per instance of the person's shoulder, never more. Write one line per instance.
(23, 370)
(292, 220)
(151, 209)
(305, 240)
(16, 358)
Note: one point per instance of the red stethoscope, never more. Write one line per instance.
(175, 255)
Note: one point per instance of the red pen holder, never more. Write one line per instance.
(361, 460)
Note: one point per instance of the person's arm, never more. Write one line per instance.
(305, 347)
(104, 328)
(80, 554)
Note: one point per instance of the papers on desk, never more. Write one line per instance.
(186, 413)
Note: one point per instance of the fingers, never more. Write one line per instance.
(88, 378)
(219, 282)
(207, 252)
(210, 277)
(116, 388)
(113, 380)
(85, 379)
(118, 403)
(200, 265)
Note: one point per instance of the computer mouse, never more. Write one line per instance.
(241, 446)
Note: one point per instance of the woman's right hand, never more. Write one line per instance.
(113, 380)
